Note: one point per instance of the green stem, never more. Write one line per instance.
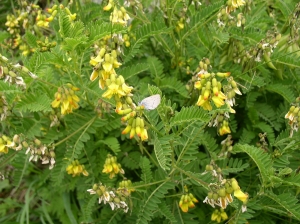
(143, 149)
(186, 147)
(153, 183)
(204, 184)
(74, 133)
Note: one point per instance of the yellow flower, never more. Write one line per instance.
(107, 66)
(239, 194)
(224, 129)
(109, 5)
(219, 215)
(126, 89)
(218, 101)
(75, 169)
(95, 60)
(3, 148)
(198, 85)
(94, 75)
(187, 201)
(113, 89)
(237, 3)
(111, 166)
(144, 134)
(205, 104)
(66, 99)
(184, 207)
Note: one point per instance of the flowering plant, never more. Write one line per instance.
(147, 112)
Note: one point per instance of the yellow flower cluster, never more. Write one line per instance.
(5, 143)
(117, 199)
(135, 123)
(220, 195)
(111, 166)
(219, 215)
(104, 66)
(232, 5)
(224, 128)
(187, 201)
(42, 20)
(116, 87)
(126, 185)
(238, 193)
(75, 169)
(293, 115)
(210, 90)
(118, 16)
(66, 98)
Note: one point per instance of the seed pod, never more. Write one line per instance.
(222, 192)
(268, 61)
(12, 74)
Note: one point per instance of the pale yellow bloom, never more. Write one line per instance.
(239, 194)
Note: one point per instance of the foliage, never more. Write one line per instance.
(218, 141)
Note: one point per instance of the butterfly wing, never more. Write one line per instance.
(151, 102)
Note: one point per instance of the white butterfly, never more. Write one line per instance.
(151, 102)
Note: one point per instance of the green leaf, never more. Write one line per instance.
(234, 166)
(156, 67)
(112, 143)
(8, 89)
(131, 160)
(4, 35)
(188, 144)
(266, 129)
(34, 102)
(291, 60)
(262, 160)
(147, 30)
(246, 137)
(151, 202)
(282, 90)
(287, 202)
(190, 114)
(199, 18)
(65, 25)
(132, 70)
(165, 211)
(68, 209)
(163, 151)
(88, 207)
(208, 141)
(174, 84)
(146, 170)
(31, 39)
(98, 29)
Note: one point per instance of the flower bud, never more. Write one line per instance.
(37, 142)
(222, 192)
(12, 74)
(206, 94)
(235, 184)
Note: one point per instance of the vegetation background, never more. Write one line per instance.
(219, 143)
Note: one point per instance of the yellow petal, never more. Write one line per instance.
(107, 66)
(218, 101)
(55, 103)
(94, 75)
(239, 194)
